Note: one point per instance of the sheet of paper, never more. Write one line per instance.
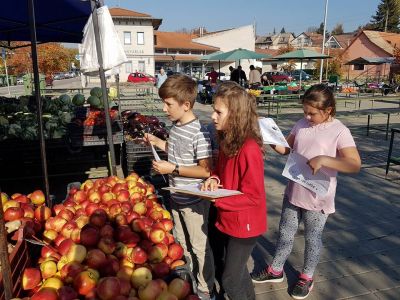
(297, 170)
(155, 154)
(271, 133)
(195, 190)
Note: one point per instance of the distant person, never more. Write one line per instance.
(239, 76)
(254, 78)
(161, 78)
(329, 148)
(212, 77)
(231, 69)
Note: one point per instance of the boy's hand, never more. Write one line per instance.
(163, 167)
(211, 184)
(150, 139)
(316, 163)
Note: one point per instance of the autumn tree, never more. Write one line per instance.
(290, 65)
(52, 57)
(334, 64)
(386, 17)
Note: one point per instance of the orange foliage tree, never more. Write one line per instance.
(52, 57)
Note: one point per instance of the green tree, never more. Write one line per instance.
(338, 29)
(386, 17)
(320, 29)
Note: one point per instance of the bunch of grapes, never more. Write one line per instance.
(136, 125)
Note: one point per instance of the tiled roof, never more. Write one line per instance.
(344, 39)
(384, 40)
(272, 52)
(179, 40)
(121, 12)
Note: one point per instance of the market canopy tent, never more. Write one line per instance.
(43, 21)
(234, 55)
(56, 21)
(301, 54)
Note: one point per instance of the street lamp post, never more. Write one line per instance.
(323, 41)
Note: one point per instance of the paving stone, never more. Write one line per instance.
(389, 294)
(340, 288)
(379, 279)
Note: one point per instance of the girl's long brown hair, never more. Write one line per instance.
(242, 118)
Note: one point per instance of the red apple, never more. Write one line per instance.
(126, 207)
(89, 236)
(95, 259)
(31, 277)
(177, 263)
(141, 277)
(107, 245)
(68, 228)
(132, 215)
(98, 217)
(70, 270)
(157, 235)
(65, 245)
(123, 195)
(120, 219)
(139, 256)
(48, 269)
(179, 287)
(161, 270)
(168, 224)
(45, 294)
(150, 291)
(67, 293)
(94, 197)
(157, 253)
(13, 213)
(175, 251)
(165, 295)
(106, 197)
(107, 231)
(108, 288)
(85, 282)
(66, 214)
(37, 197)
(79, 196)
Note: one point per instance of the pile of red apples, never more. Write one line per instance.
(110, 239)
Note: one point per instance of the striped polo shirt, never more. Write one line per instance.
(187, 144)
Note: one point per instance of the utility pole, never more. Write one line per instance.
(387, 16)
(323, 41)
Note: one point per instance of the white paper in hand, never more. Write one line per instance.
(155, 154)
(297, 170)
(271, 133)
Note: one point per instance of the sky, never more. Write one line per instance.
(294, 15)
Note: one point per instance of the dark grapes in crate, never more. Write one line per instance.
(136, 125)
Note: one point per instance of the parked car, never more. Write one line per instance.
(276, 77)
(20, 80)
(138, 77)
(59, 76)
(296, 75)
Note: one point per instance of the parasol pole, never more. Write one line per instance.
(301, 69)
(32, 26)
(94, 4)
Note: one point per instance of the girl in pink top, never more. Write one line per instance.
(330, 148)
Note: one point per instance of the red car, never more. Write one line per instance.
(276, 77)
(138, 77)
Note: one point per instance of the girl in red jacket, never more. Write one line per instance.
(240, 166)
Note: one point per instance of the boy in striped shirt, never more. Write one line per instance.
(189, 162)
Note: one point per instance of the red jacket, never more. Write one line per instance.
(245, 215)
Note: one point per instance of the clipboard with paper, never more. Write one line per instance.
(196, 191)
(297, 170)
(271, 134)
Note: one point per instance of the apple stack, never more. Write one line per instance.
(110, 239)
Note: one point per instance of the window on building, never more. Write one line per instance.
(140, 38)
(127, 38)
(142, 66)
(128, 67)
(358, 67)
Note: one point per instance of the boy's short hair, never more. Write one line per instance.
(180, 87)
